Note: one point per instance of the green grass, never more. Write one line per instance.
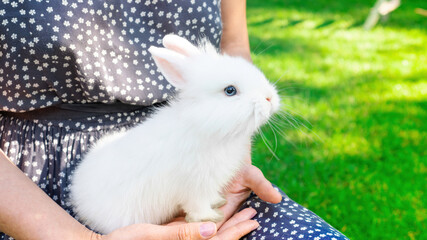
(358, 151)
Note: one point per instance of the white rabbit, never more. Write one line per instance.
(183, 156)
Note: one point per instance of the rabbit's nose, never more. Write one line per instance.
(268, 99)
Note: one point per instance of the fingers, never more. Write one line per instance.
(237, 231)
(244, 215)
(236, 227)
(189, 231)
(186, 231)
(255, 180)
(233, 203)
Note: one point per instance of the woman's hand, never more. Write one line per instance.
(249, 178)
(235, 228)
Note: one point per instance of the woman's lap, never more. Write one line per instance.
(289, 221)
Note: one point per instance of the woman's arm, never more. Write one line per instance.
(235, 40)
(26, 212)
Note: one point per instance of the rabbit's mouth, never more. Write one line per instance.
(262, 112)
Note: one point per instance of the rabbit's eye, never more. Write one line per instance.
(230, 91)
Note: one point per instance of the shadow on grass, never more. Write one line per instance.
(325, 24)
(292, 23)
(417, 77)
(357, 24)
(262, 22)
(279, 46)
(296, 89)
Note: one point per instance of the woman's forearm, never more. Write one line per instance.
(26, 212)
(235, 40)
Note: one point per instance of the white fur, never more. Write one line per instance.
(185, 153)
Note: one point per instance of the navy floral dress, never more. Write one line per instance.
(73, 70)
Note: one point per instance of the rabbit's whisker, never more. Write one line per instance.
(264, 139)
(257, 46)
(264, 50)
(280, 77)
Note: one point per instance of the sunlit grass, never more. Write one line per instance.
(357, 153)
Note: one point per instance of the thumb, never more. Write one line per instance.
(190, 231)
(255, 180)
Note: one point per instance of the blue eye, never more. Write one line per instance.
(230, 91)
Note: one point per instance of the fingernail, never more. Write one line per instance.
(255, 225)
(207, 229)
(254, 213)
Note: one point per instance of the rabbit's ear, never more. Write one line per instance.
(180, 45)
(170, 64)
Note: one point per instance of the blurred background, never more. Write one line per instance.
(351, 143)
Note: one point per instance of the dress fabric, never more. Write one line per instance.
(95, 52)
(288, 220)
(75, 51)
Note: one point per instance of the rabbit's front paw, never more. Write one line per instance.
(221, 201)
(212, 215)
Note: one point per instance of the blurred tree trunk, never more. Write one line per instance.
(381, 8)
